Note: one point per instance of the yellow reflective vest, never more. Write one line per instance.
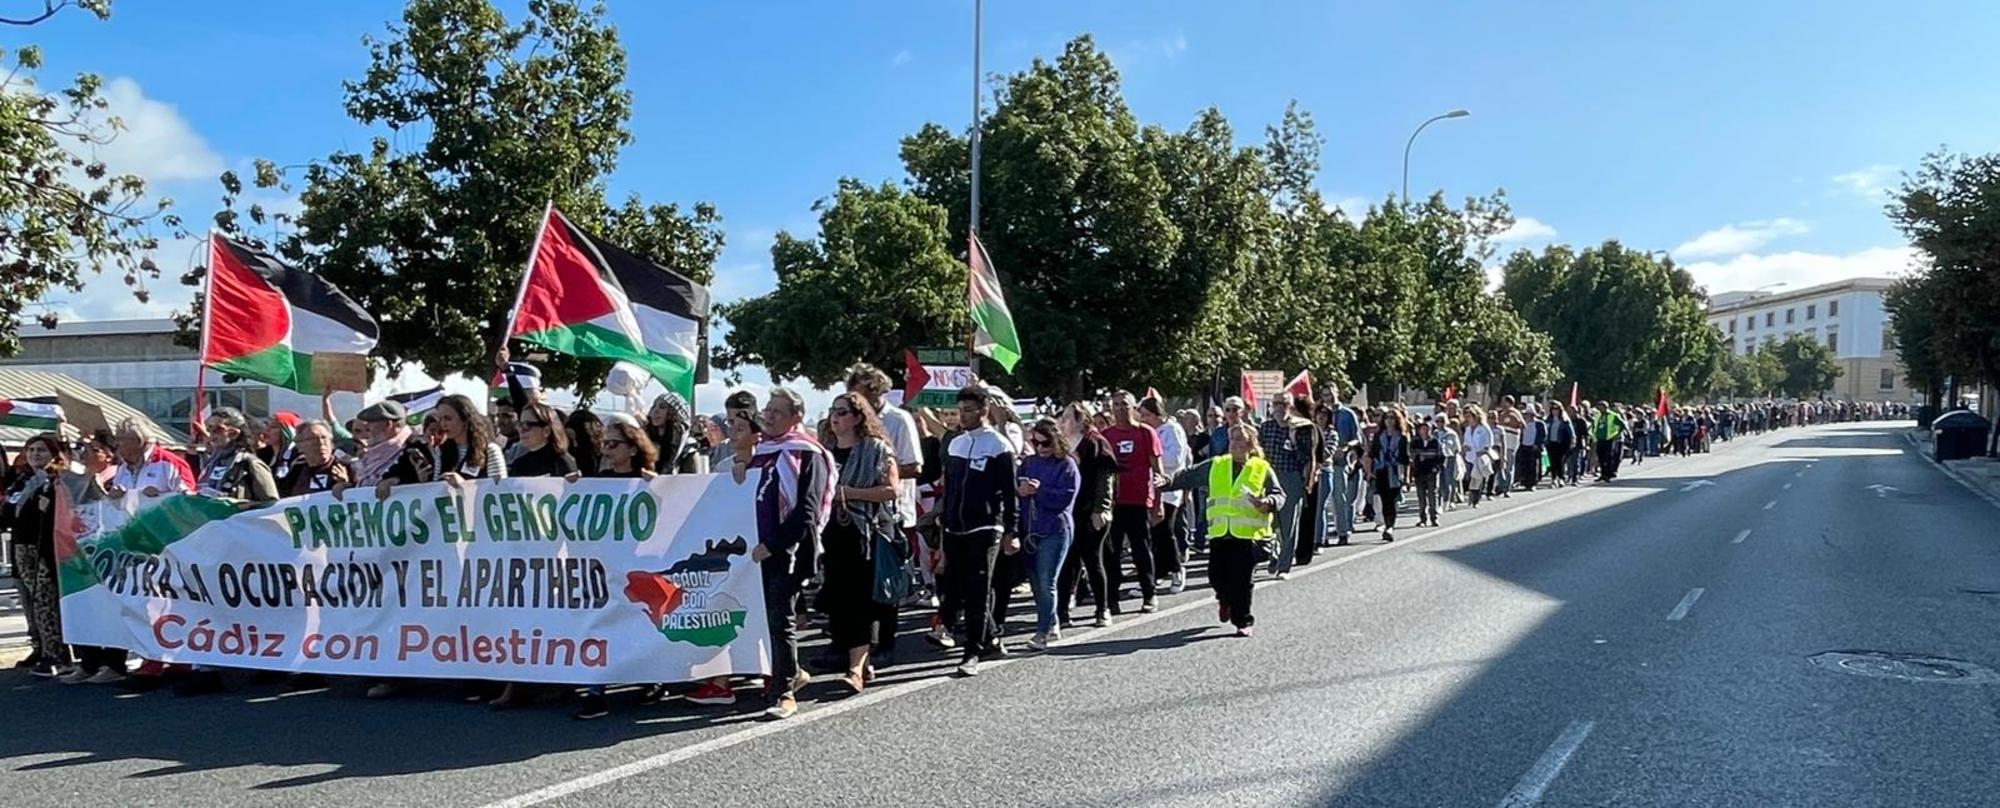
(1231, 513)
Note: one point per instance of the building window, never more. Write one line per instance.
(1888, 379)
(1833, 341)
(1732, 325)
(1812, 310)
(1750, 323)
(1833, 308)
(1770, 319)
(1791, 316)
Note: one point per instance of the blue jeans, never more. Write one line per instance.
(1327, 499)
(1294, 485)
(1045, 560)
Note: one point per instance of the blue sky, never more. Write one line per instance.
(1752, 139)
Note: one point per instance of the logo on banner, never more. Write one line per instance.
(685, 602)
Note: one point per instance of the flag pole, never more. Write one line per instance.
(201, 361)
(972, 216)
(527, 272)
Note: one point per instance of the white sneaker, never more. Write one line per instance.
(75, 676)
(1179, 584)
(1103, 621)
(941, 638)
(969, 668)
(106, 676)
(1284, 576)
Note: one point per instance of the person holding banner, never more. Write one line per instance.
(316, 469)
(393, 453)
(628, 454)
(794, 499)
(235, 473)
(667, 427)
(863, 524)
(469, 450)
(145, 466)
(29, 516)
(544, 446)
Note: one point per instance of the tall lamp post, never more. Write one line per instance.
(972, 214)
(1456, 113)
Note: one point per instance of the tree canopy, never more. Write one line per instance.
(508, 118)
(1624, 324)
(1946, 313)
(63, 214)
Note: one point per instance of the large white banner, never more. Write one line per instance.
(528, 580)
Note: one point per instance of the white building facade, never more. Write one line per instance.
(1847, 316)
(138, 363)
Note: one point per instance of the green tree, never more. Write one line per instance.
(1913, 325)
(1509, 356)
(63, 214)
(1624, 324)
(509, 117)
(1451, 297)
(1807, 364)
(1074, 218)
(1949, 313)
(880, 278)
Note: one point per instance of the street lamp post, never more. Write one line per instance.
(1456, 113)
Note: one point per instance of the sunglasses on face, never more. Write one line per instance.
(842, 412)
(617, 444)
(534, 424)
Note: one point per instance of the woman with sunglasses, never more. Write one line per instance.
(544, 453)
(627, 454)
(863, 524)
(1048, 484)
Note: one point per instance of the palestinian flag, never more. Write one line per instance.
(587, 297)
(993, 325)
(267, 321)
(31, 413)
(418, 402)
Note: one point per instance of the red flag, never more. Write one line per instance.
(1301, 386)
(1572, 396)
(1660, 408)
(915, 377)
(1450, 393)
(1248, 393)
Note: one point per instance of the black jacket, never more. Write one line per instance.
(979, 474)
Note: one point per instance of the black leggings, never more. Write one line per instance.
(1391, 497)
(1231, 562)
(1086, 557)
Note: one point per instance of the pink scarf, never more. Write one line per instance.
(791, 449)
(376, 460)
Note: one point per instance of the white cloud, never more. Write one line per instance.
(1797, 270)
(901, 58)
(1525, 229)
(156, 143)
(1355, 208)
(1870, 182)
(1128, 55)
(1733, 239)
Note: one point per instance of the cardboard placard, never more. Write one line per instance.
(85, 416)
(340, 372)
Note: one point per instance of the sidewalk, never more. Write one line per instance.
(1980, 474)
(13, 624)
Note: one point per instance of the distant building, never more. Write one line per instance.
(137, 362)
(1846, 315)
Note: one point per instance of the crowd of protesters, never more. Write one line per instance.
(946, 511)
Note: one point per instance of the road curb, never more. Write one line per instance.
(1981, 493)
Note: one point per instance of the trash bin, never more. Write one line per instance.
(1926, 414)
(1958, 435)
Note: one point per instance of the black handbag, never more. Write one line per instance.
(892, 573)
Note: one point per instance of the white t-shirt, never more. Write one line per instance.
(902, 432)
(159, 475)
(1173, 456)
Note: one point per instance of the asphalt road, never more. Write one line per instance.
(1622, 644)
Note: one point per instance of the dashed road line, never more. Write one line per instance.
(1788, 486)
(1741, 536)
(1687, 602)
(1770, 505)
(1536, 782)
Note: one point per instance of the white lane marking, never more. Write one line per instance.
(1687, 602)
(1788, 486)
(850, 704)
(1770, 505)
(1741, 536)
(1539, 777)
(1800, 473)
